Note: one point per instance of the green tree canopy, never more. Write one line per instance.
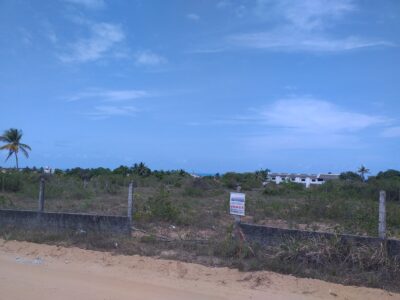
(12, 139)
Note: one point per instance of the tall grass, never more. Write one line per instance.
(178, 198)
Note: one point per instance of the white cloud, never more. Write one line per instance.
(391, 132)
(306, 15)
(92, 4)
(101, 112)
(308, 123)
(110, 95)
(103, 38)
(295, 26)
(309, 115)
(292, 40)
(148, 58)
(193, 17)
(294, 141)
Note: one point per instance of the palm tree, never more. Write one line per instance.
(362, 171)
(12, 138)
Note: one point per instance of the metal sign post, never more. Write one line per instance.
(237, 208)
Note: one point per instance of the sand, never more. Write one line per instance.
(35, 271)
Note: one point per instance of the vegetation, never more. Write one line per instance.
(12, 137)
(326, 259)
(348, 205)
(188, 217)
(362, 170)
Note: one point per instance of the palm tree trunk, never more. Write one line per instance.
(16, 159)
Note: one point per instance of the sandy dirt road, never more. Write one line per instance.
(34, 271)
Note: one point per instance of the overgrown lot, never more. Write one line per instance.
(186, 218)
(177, 198)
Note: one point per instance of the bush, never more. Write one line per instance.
(11, 182)
(193, 192)
(3, 200)
(159, 208)
(350, 176)
(247, 181)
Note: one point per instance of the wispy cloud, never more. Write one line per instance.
(391, 132)
(102, 40)
(91, 4)
(240, 8)
(303, 122)
(299, 26)
(148, 58)
(103, 112)
(110, 95)
(305, 15)
(193, 17)
(290, 40)
(310, 123)
(310, 115)
(108, 103)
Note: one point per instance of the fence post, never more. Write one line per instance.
(130, 203)
(382, 215)
(41, 195)
(2, 183)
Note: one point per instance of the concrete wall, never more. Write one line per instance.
(23, 219)
(272, 236)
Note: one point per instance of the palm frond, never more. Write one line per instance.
(12, 135)
(9, 155)
(24, 151)
(25, 146)
(7, 146)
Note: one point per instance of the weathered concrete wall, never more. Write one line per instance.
(23, 219)
(271, 236)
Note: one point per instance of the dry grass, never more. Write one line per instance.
(330, 260)
(187, 219)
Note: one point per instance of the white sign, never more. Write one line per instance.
(237, 202)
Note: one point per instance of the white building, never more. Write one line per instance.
(306, 179)
(48, 170)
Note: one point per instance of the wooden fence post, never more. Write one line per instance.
(382, 215)
(41, 195)
(130, 203)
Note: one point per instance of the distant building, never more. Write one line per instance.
(48, 170)
(306, 179)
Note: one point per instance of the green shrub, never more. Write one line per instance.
(159, 208)
(247, 181)
(3, 200)
(11, 182)
(193, 192)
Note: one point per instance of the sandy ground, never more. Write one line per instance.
(35, 271)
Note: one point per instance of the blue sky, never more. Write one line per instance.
(207, 86)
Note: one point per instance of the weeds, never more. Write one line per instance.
(327, 259)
